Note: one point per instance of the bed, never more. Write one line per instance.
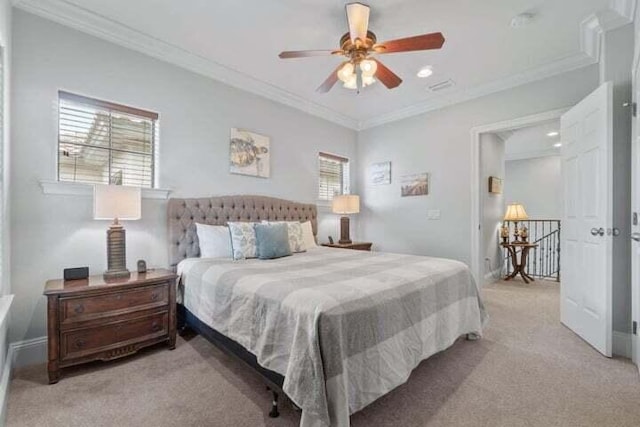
(333, 329)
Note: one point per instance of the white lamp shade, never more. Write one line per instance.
(116, 201)
(346, 204)
(515, 212)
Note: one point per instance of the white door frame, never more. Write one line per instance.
(635, 207)
(476, 212)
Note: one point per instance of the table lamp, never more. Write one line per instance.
(116, 202)
(515, 213)
(346, 204)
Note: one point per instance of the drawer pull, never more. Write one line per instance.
(155, 327)
(79, 308)
(155, 296)
(79, 343)
(118, 297)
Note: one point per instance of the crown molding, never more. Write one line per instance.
(621, 12)
(549, 70)
(625, 8)
(97, 25)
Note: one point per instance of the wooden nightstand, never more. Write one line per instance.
(359, 246)
(91, 319)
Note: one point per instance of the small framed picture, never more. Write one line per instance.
(414, 185)
(495, 185)
(380, 173)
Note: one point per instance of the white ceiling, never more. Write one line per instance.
(245, 37)
(531, 141)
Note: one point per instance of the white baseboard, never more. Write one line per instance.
(28, 352)
(622, 344)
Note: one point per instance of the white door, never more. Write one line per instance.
(586, 287)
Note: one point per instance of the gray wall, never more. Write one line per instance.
(439, 142)
(492, 152)
(52, 231)
(537, 184)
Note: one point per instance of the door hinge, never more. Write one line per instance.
(634, 328)
(633, 106)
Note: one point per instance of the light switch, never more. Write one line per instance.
(433, 214)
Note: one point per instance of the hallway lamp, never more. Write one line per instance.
(116, 202)
(515, 213)
(345, 204)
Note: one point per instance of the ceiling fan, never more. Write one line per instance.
(358, 45)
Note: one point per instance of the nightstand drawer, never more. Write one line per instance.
(91, 307)
(82, 342)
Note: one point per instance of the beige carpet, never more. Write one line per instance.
(528, 370)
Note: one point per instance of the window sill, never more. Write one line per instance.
(81, 189)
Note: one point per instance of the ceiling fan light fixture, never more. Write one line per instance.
(351, 82)
(346, 72)
(368, 67)
(367, 80)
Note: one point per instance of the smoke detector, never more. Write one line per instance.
(522, 19)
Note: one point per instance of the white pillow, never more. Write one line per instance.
(294, 230)
(307, 235)
(215, 241)
(243, 240)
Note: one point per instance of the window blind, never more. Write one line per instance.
(333, 176)
(105, 143)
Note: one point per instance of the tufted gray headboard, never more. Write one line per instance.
(184, 213)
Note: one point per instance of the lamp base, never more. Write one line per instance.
(116, 274)
(344, 231)
(116, 253)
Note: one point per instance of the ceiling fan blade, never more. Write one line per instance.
(386, 76)
(331, 80)
(423, 42)
(306, 53)
(358, 19)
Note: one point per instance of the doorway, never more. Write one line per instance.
(521, 167)
(479, 188)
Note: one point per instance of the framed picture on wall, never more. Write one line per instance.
(380, 173)
(495, 185)
(249, 153)
(414, 185)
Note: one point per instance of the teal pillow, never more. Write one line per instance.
(272, 240)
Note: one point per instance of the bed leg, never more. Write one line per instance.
(274, 406)
(473, 336)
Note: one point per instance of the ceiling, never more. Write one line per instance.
(244, 38)
(532, 141)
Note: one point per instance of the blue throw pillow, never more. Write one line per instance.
(272, 240)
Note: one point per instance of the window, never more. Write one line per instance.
(333, 176)
(104, 143)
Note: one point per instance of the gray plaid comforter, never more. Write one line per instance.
(343, 327)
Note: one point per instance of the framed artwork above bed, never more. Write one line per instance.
(249, 153)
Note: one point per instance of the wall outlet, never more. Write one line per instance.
(433, 214)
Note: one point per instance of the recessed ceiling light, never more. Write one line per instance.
(557, 144)
(552, 134)
(425, 72)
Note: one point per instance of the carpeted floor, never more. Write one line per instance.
(528, 370)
